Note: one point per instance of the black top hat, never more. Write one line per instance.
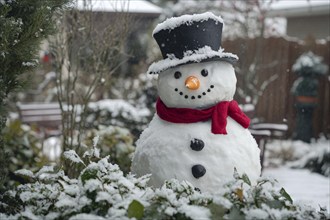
(189, 39)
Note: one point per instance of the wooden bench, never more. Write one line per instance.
(263, 132)
(47, 117)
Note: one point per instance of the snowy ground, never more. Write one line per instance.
(303, 185)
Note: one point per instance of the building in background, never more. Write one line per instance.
(304, 17)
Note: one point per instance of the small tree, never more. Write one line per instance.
(23, 25)
(87, 50)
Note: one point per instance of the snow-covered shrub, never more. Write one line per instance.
(309, 64)
(317, 159)
(114, 141)
(297, 154)
(102, 191)
(119, 113)
(280, 152)
(24, 148)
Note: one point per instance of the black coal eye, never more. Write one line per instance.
(204, 72)
(177, 74)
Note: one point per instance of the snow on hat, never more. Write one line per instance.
(189, 39)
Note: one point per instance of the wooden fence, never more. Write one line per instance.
(276, 57)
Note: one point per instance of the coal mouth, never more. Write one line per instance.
(199, 96)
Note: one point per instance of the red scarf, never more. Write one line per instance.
(218, 114)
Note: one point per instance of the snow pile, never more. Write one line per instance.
(102, 191)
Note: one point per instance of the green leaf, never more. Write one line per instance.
(135, 210)
(246, 179)
(217, 211)
(286, 195)
(88, 174)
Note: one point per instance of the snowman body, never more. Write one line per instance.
(165, 150)
(191, 151)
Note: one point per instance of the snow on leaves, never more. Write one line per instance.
(73, 156)
(102, 191)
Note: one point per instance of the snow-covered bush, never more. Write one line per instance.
(114, 141)
(117, 112)
(102, 191)
(24, 148)
(297, 154)
(27, 150)
(309, 64)
(317, 159)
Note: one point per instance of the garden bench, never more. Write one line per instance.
(263, 132)
(47, 117)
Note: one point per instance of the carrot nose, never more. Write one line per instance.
(192, 83)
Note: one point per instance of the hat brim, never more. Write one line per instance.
(170, 62)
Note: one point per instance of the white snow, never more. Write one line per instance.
(190, 56)
(119, 107)
(299, 8)
(309, 59)
(247, 107)
(45, 169)
(174, 22)
(302, 185)
(92, 185)
(65, 200)
(282, 127)
(256, 214)
(163, 150)
(195, 212)
(84, 216)
(96, 152)
(132, 6)
(25, 172)
(73, 156)
(29, 64)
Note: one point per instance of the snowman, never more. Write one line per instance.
(198, 134)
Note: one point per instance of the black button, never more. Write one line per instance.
(196, 144)
(198, 171)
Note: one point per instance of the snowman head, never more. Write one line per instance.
(195, 71)
(197, 85)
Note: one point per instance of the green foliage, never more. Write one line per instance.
(23, 25)
(23, 148)
(102, 191)
(3, 156)
(135, 210)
